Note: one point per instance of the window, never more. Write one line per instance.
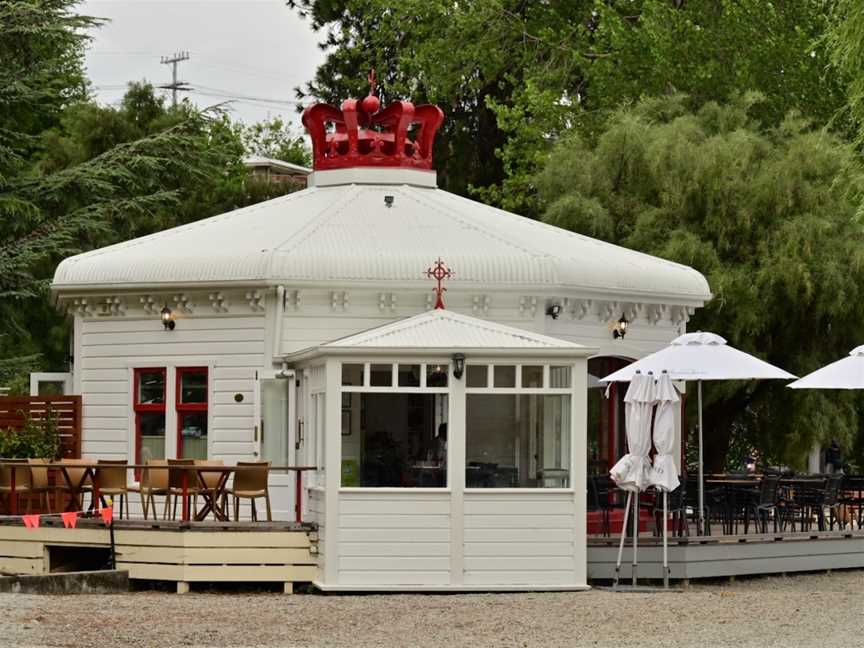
(148, 403)
(394, 425)
(192, 412)
(518, 432)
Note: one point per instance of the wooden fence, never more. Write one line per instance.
(15, 409)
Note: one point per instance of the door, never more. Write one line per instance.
(275, 439)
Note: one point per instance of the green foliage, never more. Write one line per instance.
(37, 439)
(768, 213)
(274, 139)
(514, 76)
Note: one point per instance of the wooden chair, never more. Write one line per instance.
(154, 481)
(40, 485)
(251, 483)
(111, 480)
(75, 473)
(22, 481)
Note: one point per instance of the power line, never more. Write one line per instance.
(175, 85)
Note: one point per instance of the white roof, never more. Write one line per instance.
(700, 356)
(343, 232)
(441, 329)
(846, 373)
(282, 165)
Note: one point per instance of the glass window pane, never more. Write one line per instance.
(559, 377)
(193, 387)
(152, 429)
(409, 375)
(352, 375)
(436, 375)
(395, 440)
(151, 387)
(478, 376)
(381, 375)
(274, 421)
(505, 376)
(193, 435)
(532, 376)
(517, 441)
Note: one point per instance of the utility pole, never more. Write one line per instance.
(175, 85)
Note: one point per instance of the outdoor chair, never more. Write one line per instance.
(251, 483)
(677, 508)
(22, 482)
(830, 500)
(175, 483)
(764, 503)
(210, 483)
(40, 484)
(604, 497)
(111, 481)
(75, 473)
(799, 504)
(852, 499)
(154, 481)
(711, 504)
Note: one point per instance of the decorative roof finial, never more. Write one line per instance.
(439, 272)
(371, 103)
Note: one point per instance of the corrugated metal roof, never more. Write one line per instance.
(346, 233)
(448, 330)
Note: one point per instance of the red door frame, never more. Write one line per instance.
(183, 408)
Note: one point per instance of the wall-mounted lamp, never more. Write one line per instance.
(388, 201)
(458, 365)
(620, 329)
(167, 318)
(553, 311)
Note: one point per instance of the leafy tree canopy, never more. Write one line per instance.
(769, 213)
(513, 76)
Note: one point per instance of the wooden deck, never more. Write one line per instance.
(735, 555)
(182, 552)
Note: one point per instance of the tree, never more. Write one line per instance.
(515, 76)
(109, 181)
(770, 214)
(273, 138)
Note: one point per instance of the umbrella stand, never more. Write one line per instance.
(701, 515)
(621, 544)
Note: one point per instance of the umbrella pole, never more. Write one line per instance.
(701, 516)
(621, 544)
(665, 540)
(635, 534)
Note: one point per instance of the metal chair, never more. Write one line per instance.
(764, 503)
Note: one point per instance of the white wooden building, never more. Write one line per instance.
(266, 359)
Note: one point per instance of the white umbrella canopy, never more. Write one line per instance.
(700, 356)
(847, 373)
(631, 471)
(663, 474)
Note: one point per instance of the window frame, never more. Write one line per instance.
(143, 408)
(394, 388)
(182, 408)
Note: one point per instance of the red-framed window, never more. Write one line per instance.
(192, 406)
(148, 403)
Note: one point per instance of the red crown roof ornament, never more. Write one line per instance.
(359, 135)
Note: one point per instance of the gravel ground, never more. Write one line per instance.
(813, 610)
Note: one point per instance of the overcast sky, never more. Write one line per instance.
(257, 49)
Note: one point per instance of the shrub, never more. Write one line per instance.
(38, 439)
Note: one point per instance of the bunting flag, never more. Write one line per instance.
(107, 514)
(31, 521)
(70, 519)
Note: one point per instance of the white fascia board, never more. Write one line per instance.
(475, 353)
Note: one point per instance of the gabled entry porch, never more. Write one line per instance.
(452, 455)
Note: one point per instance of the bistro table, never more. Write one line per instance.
(210, 492)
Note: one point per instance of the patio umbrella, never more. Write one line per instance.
(664, 475)
(847, 373)
(701, 356)
(631, 471)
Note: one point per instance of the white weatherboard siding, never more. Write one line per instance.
(394, 538)
(110, 348)
(315, 514)
(521, 539)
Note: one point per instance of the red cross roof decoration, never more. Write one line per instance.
(360, 134)
(439, 272)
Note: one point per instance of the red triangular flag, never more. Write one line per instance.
(31, 521)
(107, 514)
(70, 519)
